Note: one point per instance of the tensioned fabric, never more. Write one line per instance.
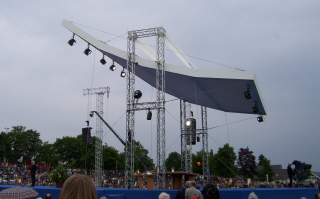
(221, 90)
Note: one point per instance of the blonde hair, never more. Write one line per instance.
(164, 195)
(78, 187)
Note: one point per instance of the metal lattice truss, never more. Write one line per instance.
(133, 106)
(186, 147)
(205, 153)
(99, 130)
(186, 139)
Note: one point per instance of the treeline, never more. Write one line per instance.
(73, 153)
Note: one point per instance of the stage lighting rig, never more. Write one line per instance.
(137, 94)
(72, 40)
(122, 74)
(188, 122)
(113, 67)
(260, 118)
(103, 61)
(87, 51)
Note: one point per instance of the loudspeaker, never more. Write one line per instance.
(149, 115)
(191, 131)
(86, 135)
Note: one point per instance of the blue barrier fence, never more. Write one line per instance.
(115, 193)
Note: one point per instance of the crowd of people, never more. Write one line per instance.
(20, 175)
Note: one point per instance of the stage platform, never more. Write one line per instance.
(243, 193)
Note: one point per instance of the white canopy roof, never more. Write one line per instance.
(221, 90)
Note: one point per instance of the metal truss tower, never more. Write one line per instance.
(133, 105)
(186, 146)
(99, 130)
(205, 156)
(186, 139)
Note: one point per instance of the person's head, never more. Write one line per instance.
(33, 162)
(47, 196)
(209, 181)
(78, 186)
(164, 195)
(187, 184)
(192, 183)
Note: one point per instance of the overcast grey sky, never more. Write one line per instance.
(42, 77)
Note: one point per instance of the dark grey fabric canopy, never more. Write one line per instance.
(221, 90)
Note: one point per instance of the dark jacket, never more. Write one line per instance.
(33, 169)
(210, 188)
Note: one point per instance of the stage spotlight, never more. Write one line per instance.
(91, 114)
(137, 94)
(188, 122)
(122, 74)
(260, 118)
(113, 67)
(87, 51)
(149, 115)
(248, 95)
(103, 61)
(72, 41)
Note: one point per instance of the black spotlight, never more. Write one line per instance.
(102, 61)
(255, 109)
(248, 95)
(87, 51)
(137, 94)
(113, 67)
(122, 74)
(149, 115)
(91, 114)
(260, 118)
(72, 41)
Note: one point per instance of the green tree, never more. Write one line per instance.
(47, 154)
(173, 161)
(111, 158)
(145, 163)
(24, 143)
(224, 162)
(212, 162)
(246, 163)
(266, 169)
(73, 153)
(4, 146)
(142, 161)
